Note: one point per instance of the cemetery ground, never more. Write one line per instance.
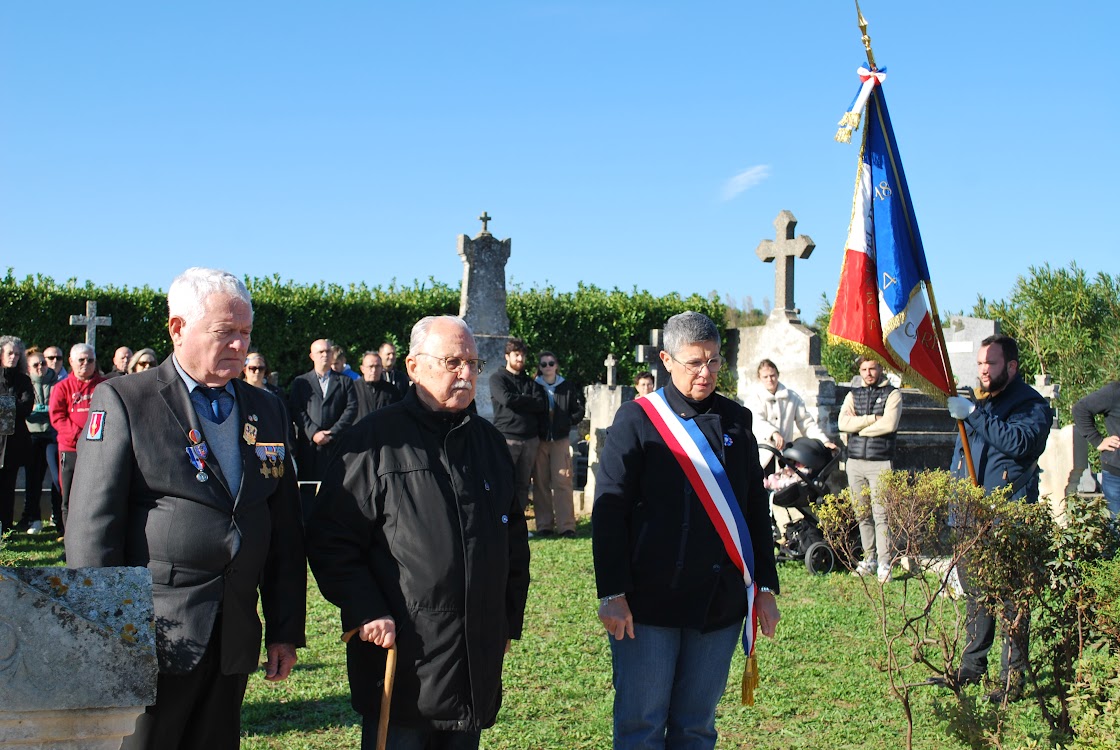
(821, 685)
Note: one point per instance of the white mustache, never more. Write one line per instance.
(461, 385)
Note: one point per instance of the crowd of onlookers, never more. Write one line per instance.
(45, 399)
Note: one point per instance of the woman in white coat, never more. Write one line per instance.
(779, 413)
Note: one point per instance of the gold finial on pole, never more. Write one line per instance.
(866, 38)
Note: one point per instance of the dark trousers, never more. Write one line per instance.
(524, 454)
(8, 476)
(44, 458)
(200, 710)
(981, 630)
(66, 462)
(409, 738)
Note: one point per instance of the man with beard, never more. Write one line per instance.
(417, 537)
(1007, 429)
(374, 392)
(520, 404)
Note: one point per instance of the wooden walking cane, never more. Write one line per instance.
(386, 689)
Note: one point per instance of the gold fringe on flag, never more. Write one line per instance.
(750, 680)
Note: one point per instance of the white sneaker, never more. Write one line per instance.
(884, 574)
(35, 527)
(953, 588)
(865, 568)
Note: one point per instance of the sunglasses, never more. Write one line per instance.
(145, 363)
(84, 360)
(40, 363)
(550, 363)
(254, 368)
(54, 356)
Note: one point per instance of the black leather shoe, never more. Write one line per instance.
(1010, 691)
(956, 680)
(546, 532)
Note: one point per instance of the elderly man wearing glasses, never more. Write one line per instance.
(418, 538)
(69, 410)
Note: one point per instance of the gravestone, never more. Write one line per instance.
(793, 347)
(77, 656)
(649, 355)
(782, 251)
(612, 369)
(962, 341)
(482, 304)
(602, 401)
(91, 320)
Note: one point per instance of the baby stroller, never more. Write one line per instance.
(803, 470)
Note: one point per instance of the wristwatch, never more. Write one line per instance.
(766, 590)
(611, 598)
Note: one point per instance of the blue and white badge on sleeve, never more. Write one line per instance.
(505, 518)
(95, 425)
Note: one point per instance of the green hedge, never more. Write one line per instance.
(580, 326)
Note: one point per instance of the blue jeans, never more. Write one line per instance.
(409, 738)
(1110, 485)
(667, 684)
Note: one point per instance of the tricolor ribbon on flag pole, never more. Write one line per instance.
(709, 481)
(850, 121)
(884, 304)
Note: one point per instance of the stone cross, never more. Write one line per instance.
(91, 320)
(782, 251)
(485, 219)
(650, 355)
(612, 369)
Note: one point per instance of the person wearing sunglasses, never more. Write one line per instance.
(141, 361)
(44, 448)
(256, 374)
(57, 362)
(552, 472)
(69, 410)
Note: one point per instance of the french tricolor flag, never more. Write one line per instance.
(884, 304)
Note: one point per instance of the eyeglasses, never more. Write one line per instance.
(145, 363)
(551, 363)
(694, 366)
(84, 360)
(40, 363)
(54, 356)
(454, 364)
(254, 368)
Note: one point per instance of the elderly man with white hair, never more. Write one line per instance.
(184, 469)
(418, 538)
(69, 409)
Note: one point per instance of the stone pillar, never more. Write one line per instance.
(482, 304)
(77, 656)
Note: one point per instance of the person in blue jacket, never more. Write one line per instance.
(1007, 428)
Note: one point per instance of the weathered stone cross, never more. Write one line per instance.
(783, 251)
(485, 219)
(612, 369)
(650, 355)
(91, 320)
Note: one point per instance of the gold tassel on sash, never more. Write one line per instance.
(750, 680)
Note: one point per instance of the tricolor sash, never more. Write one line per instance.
(709, 481)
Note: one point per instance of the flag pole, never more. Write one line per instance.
(929, 287)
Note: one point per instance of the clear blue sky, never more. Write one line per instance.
(353, 141)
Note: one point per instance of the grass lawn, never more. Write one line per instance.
(821, 686)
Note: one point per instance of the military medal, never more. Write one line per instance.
(198, 455)
(272, 459)
(250, 434)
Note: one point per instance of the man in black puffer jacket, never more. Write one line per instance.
(418, 538)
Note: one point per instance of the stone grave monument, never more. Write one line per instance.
(77, 656)
(962, 340)
(90, 321)
(649, 357)
(602, 402)
(482, 304)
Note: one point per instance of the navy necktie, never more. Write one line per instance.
(214, 404)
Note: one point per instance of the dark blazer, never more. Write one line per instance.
(374, 396)
(311, 412)
(136, 501)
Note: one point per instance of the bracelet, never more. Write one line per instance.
(766, 590)
(611, 598)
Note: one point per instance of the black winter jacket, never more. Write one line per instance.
(1007, 433)
(520, 404)
(417, 519)
(1105, 401)
(566, 412)
(652, 538)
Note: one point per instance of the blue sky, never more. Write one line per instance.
(646, 144)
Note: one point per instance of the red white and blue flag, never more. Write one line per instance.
(884, 305)
(709, 481)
